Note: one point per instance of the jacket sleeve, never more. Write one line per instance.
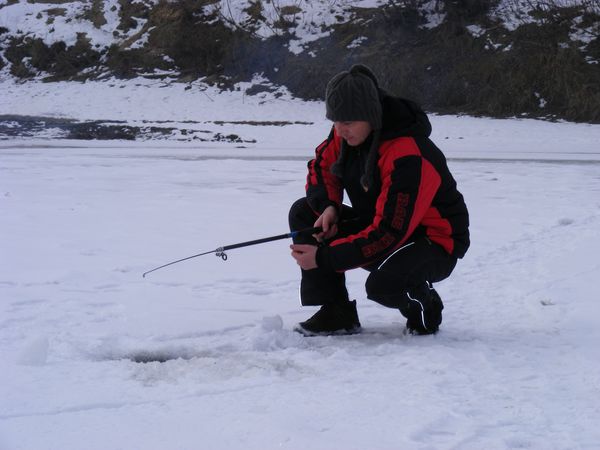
(409, 184)
(322, 187)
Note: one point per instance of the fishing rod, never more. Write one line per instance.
(220, 252)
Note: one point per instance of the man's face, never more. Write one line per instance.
(354, 132)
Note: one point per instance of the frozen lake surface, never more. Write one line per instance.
(202, 354)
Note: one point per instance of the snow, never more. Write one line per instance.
(475, 30)
(31, 19)
(433, 12)
(584, 35)
(302, 21)
(305, 21)
(356, 43)
(308, 21)
(202, 354)
(514, 13)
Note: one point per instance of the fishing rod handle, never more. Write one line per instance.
(312, 230)
(293, 234)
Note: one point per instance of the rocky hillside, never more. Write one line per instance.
(486, 57)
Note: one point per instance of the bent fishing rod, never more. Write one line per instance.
(220, 252)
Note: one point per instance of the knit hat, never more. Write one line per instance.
(351, 96)
(354, 95)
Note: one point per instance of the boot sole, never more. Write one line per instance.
(414, 332)
(343, 332)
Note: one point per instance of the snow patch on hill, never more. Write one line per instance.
(305, 21)
(61, 22)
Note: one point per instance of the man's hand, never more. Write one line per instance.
(328, 221)
(305, 255)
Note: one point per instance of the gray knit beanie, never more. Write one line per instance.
(354, 95)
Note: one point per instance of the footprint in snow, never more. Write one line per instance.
(565, 222)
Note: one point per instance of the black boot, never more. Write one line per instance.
(423, 311)
(333, 318)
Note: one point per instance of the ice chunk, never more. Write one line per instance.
(272, 323)
(35, 352)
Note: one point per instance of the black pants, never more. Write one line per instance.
(417, 263)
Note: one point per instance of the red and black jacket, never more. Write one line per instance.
(413, 192)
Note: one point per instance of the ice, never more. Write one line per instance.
(272, 323)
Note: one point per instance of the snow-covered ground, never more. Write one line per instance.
(202, 354)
